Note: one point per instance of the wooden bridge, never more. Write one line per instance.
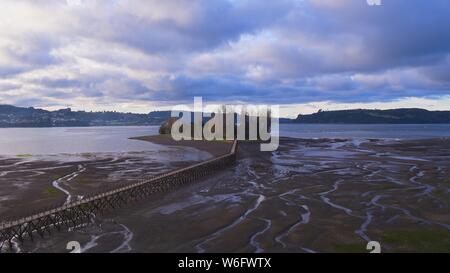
(76, 213)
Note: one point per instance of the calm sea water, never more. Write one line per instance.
(14, 141)
(43, 141)
(361, 131)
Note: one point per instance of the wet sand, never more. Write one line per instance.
(323, 195)
(33, 183)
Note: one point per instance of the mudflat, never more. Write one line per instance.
(311, 195)
(31, 183)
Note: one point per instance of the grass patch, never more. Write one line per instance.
(51, 191)
(24, 155)
(385, 187)
(222, 140)
(423, 240)
(53, 177)
(440, 193)
(350, 248)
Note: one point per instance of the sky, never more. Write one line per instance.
(305, 55)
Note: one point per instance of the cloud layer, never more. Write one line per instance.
(130, 54)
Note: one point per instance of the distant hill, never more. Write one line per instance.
(12, 116)
(362, 116)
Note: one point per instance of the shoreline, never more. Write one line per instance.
(29, 185)
(347, 190)
(310, 195)
(157, 125)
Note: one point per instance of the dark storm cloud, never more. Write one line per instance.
(178, 26)
(285, 51)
